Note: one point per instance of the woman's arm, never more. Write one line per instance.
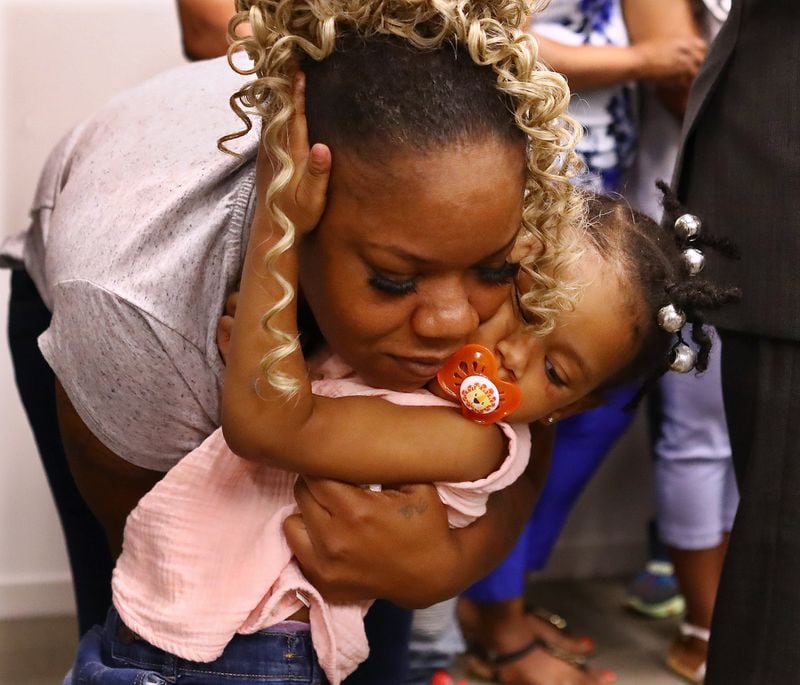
(659, 59)
(355, 439)
(354, 544)
(204, 27)
(649, 20)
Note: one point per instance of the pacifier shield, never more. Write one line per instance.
(470, 376)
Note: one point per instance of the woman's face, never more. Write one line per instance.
(410, 256)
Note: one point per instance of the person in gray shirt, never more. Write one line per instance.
(138, 234)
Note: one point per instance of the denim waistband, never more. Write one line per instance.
(272, 655)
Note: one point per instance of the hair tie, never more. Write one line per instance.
(682, 358)
(687, 226)
(671, 319)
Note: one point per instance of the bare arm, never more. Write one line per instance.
(659, 59)
(355, 439)
(396, 545)
(109, 485)
(649, 20)
(204, 27)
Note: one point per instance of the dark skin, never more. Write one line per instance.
(204, 27)
(342, 567)
(110, 485)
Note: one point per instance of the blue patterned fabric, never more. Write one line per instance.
(608, 115)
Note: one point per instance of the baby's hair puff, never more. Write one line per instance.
(287, 34)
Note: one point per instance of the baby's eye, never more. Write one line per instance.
(392, 286)
(498, 275)
(552, 374)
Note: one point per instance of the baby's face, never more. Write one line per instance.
(558, 372)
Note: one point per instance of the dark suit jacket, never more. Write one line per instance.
(739, 168)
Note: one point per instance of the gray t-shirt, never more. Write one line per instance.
(138, 232)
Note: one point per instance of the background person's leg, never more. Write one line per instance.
(755, 628)
(89, 558)
(389, 630)
(493, 612)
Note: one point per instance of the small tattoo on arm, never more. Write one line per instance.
(411, 510)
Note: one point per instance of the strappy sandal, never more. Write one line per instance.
(693, 675)
(486, 664)
(558, 622)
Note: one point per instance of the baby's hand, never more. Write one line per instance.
(303, 199)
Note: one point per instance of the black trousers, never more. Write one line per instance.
(388, 626)
(756, 628)
(89, 557)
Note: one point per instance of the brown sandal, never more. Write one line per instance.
(486, 664)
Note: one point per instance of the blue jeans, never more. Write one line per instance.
(112, 655)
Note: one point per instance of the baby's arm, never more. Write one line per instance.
(355, 439)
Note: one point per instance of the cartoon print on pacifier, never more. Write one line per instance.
(471, 377)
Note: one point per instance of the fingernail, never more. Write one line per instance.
(318, 157)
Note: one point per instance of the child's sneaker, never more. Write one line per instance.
(654, 592)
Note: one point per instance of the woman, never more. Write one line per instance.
(137, 240)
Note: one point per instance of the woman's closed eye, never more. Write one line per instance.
(552, 374)
(392, 286)
(499, 275)
(492, 275)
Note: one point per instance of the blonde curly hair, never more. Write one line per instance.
(285, 32)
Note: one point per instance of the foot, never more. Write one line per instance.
(521, 627)
(444, 678)
(534, 665)
(688, 654)
(654, 592)
(553, 630)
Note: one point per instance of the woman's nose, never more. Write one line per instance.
(446, 313)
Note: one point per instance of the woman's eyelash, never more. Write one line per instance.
(488, 274)
(552, 374)
(391, 286)
(498, 274)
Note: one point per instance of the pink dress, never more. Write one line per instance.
(204, 556)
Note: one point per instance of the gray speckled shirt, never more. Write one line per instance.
(138, 233)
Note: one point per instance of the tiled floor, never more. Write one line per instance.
(38, 651)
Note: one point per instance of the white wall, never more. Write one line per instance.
(59, 60)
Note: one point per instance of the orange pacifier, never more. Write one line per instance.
(470, 376)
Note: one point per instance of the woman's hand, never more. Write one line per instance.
(670, 61)
(354, 544)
